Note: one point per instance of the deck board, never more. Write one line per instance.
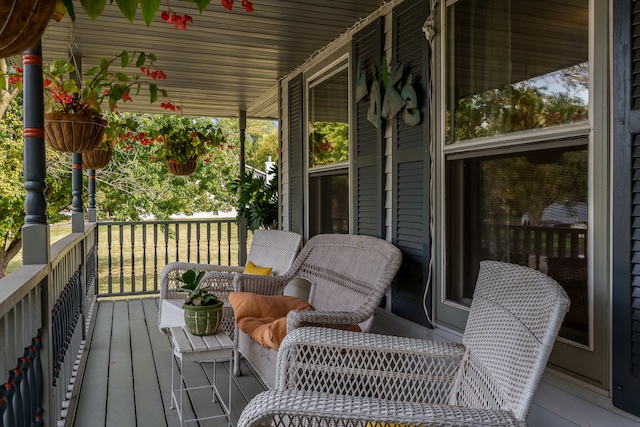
(121, 410)
(92, 401)
(127, 380)
(149, 409)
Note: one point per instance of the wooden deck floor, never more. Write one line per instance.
(127, 377)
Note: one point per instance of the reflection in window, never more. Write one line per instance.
(515, 65)
(329, 120)
(329, 203)
(528, 208)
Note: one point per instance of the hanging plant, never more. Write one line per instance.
(23, 22)
(149, 9)
(178, 141)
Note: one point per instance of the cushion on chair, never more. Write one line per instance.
(264, 317)
(251, 268)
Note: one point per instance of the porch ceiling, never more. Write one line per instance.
(225, 61)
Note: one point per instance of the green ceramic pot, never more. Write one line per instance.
(204, 319)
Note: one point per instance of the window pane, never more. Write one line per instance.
(329, 121)
(329, 204)
(527, 208)
(515, 65)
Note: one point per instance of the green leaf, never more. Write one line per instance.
(122, 77)
(202, 4)
(91, 72)
(149, 10)
(70, 10)
(152, 56)
(141, 60)
(153, 92)
(128, 8)
(124, 58)
(116, 92)
(138, 88)
(93, 7)
(3, 82)
(60, 66)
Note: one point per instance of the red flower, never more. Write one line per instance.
(248, 6)
(228, 4)
(126, 97)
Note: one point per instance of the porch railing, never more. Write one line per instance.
(131, 255)
(41, 325)
(45, 309)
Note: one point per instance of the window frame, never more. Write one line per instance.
(341, 63)
(572, 360)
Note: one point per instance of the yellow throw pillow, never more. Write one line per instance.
(251, 268)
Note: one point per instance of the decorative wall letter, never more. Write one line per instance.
(411, 114)
(373, 115)
(389, 105)
(361, 83)
(392, 102)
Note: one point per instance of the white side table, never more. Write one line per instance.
(192, 348)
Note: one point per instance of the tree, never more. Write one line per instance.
(134, 184)
(261, 140)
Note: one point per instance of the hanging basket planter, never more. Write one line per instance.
(183, 168)
(22, 23)
(73, 133)
(96, 159)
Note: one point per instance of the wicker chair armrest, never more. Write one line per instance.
(262, 285)
(363, 364)
(169, 287)
(335, 319)
(271, 408)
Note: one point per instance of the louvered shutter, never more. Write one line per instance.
(367, 163)
(626, 202)
(411, 166)
(296, 153)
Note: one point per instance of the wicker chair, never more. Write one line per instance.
(269, 248)
(349, 275)
(341, 378)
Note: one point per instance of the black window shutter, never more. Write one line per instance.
(296, 153)
(367, 164)
(411, 166)
(626, 202)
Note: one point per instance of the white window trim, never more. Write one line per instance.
(317, 77)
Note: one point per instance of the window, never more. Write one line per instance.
(516, 165)
(328, 151)
(527, 208)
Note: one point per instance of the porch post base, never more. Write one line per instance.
(35, 244)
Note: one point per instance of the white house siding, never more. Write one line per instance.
(284, 156)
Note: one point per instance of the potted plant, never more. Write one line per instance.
(179, 141)
(74, 108)
(120, 127)
(202, 309)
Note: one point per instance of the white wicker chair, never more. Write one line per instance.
(269, 248)
(340, 378)
(349, 275)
